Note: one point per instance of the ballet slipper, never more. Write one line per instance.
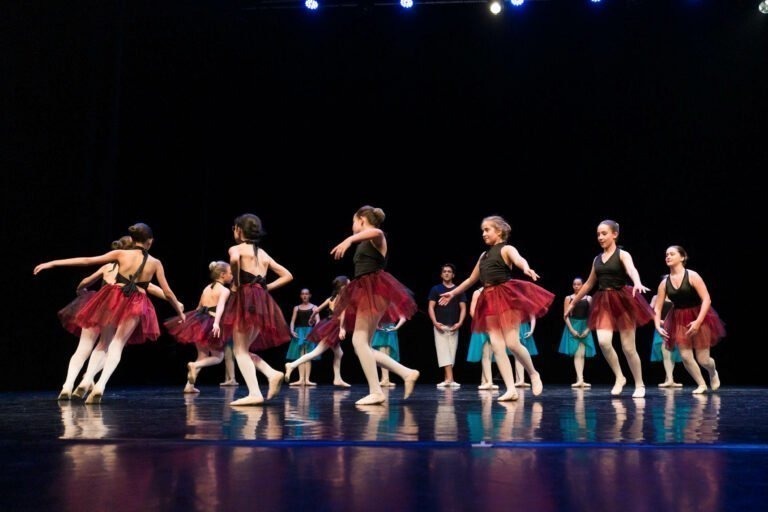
(586, 385)
(536, 385)
(619, 386)
(94, 397)
(639, 392)
(189, 388)
(288, 370)
(677, 385)
(340, 383)
(372, 399)
(81, 391)
(249, 400)
(509, 395)
(310, 383)
(191, 373)
(410, 383)
(714, 382)
(66, 394)
(485, 386)
(494, 386)
(297, 383)
(577, 384)
(522, 385)
(701, 389)
(230, 382)
(274, 384)
(666, 384)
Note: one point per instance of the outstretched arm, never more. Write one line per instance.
(374, 234)
(446, 297)
(82, 261)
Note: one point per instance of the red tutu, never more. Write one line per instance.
(196, 328)
(617, 310)
(326, 330)
(712, 329)
(507, 305)
(375, 294)
(110, 307)
(67, 313)
(252, 308)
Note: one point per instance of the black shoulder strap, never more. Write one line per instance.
(130, 288)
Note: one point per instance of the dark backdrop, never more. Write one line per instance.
(185, 114)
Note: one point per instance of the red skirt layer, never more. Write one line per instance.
(618, 310)
(507, 305)
(67, 313)
(711, 331)
(377, 294)
(251, 309)
(326, 330)
(196, 328)
(109, 307)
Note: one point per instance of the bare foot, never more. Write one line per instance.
(191, 373)
(288, 370)
(410, 383)
(509, 395)
(66, 394)
(536, 385)
(249, 400)
(189, 388)
(639, 392)
(372, 399)
(341, 383)
(274, 384)
(701, 389)
(714, 382)
(620, 383)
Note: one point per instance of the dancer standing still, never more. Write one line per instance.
(123, 305)
(202, 327)
(505, 302)
(616, 306)
(693, 325)
(446, 321)
(577, 340)
(372, 293)
(252, 317)
(325, 334)
(301, 325)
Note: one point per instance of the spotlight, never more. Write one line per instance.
(763, 7)
(311, 4)
(495, 6)
(595, 1)
(517, 3)
(406, 4)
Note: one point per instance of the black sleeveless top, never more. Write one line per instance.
(665, 309)
(130, 283)
(248, 278)
(302, 317)
(685, 296)
(493, 269)
(580, 310)
(611, 274)
(367, 259)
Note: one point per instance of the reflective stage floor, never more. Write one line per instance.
(313, 449)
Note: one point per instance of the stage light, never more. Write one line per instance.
(495, 6)
(595, 1)
(517, 3)
(311, 4)
(406, 4)
(763, 7)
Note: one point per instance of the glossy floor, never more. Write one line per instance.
(441, 449)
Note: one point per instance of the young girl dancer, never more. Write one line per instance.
(576, 340)
(202, 327)
(301, 325)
